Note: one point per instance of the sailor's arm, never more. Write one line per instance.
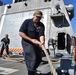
(23, 35)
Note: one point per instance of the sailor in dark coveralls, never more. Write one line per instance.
(6, 42)
(30, 31)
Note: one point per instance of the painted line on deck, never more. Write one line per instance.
(6, 71)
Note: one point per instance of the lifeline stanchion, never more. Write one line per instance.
(49, 60)
(75, 61)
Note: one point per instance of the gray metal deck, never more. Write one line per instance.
(15, 65)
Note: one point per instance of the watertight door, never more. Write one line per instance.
(61, 41)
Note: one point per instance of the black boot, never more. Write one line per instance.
(31, 73)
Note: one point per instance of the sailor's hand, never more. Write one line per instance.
(41, 43)
(6, 44)
(34, 41)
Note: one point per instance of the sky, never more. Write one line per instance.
(7, 1)
(73, 2)
(73, 21)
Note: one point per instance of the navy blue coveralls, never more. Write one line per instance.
(32, 52)
(5, 46)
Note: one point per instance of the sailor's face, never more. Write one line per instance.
(36, 19)
(6, 35)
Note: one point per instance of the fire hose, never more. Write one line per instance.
(49, 60)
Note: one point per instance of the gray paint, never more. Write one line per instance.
(19, 12)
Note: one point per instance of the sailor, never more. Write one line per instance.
(30, 31)
(5, 45)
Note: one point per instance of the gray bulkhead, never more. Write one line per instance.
(55, 18)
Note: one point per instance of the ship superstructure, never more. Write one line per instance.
(56, 18)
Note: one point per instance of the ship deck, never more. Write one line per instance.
(15, 65)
